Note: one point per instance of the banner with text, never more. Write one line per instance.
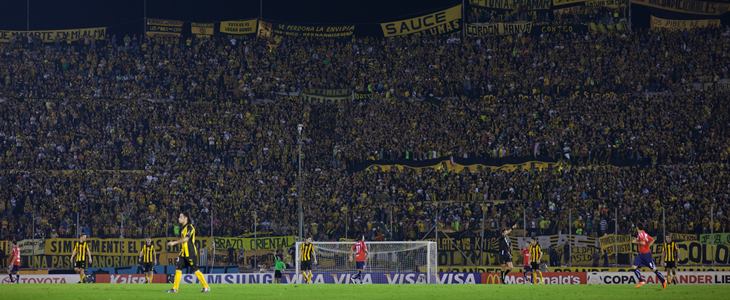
(567, 2)
(690, 252)
(326, 94)
(319, 31)
(119, 252)
(50, 36)
(548, 277)
(683, 25)
(682, 278)
(714, 238)
(337, 278)
(486, 29)
(439, 22)
(58, 278)
(448, 165)
(163, 27)
(696, 7)
(238, 27)
(512, 4)
(497, 268)
(201, 29)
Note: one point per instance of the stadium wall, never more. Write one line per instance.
(573, 278)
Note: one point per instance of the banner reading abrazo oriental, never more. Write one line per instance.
(439, 22)
(239, 27)
(485, 29)
(49, 36)
(683, 25)
(162, 27)
(512, 4)
(696, 7)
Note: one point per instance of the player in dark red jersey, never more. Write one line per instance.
(14, 263)
(644, 258)
(359, 253)
(526, 262)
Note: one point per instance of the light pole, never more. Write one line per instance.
(300, 209)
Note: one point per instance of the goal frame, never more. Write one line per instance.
(431, 250)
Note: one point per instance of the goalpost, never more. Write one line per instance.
(387, 262)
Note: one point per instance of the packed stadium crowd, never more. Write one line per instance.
(127, 132)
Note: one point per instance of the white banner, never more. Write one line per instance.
(682, 277)
(237, 278)
(60, 278)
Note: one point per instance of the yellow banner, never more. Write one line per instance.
(116, 246)
(566, 2)
(201, 29)
(486, 29)
(162, 27)
(266, 29)
(239, 27)
(613, 244)
(697, 7)
(684, 237)
(262, 243)
(715, 238)
(131, 247)
(49, 36)
(683, 25)
(458, 168)
(513, 4)
(439, 22)
(606, 3)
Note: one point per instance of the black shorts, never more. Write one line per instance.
(535, 266)
(80, 265)
(306, 265)
(186, 262)
(505, 257)
(14, 269)
(671, 264)
(277, 274)
(527, 268)
(148, 267)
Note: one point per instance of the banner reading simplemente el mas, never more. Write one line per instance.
(201, 29)
(162, 27)
(50, 36)
(683, 25)
(239, 27)
(439, 22)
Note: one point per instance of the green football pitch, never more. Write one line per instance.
(368, 292)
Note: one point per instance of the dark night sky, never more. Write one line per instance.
(127, 15)
(49, 14)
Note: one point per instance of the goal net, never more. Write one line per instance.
(387, 262)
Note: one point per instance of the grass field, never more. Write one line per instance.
(370, 292)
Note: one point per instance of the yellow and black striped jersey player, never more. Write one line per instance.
(188, 254)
